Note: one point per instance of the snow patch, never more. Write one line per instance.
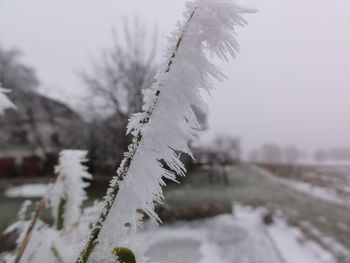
(5, 102)
(241, 238)
(294, 247)
(26, 191)
(320, 193)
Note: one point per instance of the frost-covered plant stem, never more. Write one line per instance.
(68, 194)
(60, 214)
(113, 190)
(37, 214)
(64, 195)
(165, 126)
(56, 254)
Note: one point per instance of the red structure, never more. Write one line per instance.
(31, 166)
(8, 167)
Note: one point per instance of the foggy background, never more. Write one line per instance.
(270, 181)
(289, 84)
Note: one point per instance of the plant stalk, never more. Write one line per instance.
(57, 254)
(38, 212)
(125, 165)
(60, 214)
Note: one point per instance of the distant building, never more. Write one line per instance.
(36, 130)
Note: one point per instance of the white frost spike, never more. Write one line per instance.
(5, 102)
(21, 225)
(70, 185)
(167, 122)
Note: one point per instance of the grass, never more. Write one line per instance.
(197, 197)
(248, 187)
(9, 207)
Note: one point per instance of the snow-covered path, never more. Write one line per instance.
(242, 238)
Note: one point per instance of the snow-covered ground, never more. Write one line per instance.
(26, 190)
(238, 238)
(328, 194)
(317, 192)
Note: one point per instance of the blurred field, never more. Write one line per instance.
(249, 186)
(196, 198)
(331, 181)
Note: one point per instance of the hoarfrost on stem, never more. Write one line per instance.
(68, 190)
(166, 124)
(60, 243)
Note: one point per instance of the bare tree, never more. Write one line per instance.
(115, 83)
(227, 149)
(253, 156)
(222, 152)
(291, 154)
(270, 153)
(119, 75)
(334, 154)
(13, 74)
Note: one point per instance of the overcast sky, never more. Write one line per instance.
(289, 85)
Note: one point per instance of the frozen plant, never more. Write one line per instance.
(41, 242)
(68, 192)
(164, 127)
(5, 102)
(22, 224)
(160, 132)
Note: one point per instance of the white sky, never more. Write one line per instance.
(290, 83)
